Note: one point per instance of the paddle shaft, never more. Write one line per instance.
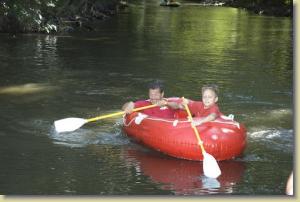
(195, 129)
(118, 113)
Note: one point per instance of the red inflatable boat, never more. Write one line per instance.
(224, 139)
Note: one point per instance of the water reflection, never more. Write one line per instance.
(46, 51)
(184, 177)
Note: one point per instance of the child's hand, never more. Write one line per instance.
(184, 101)
(162, 103)
(196, 123)
(129, 108)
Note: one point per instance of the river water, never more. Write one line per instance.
(85, 74)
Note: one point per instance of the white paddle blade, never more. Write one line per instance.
(68, 124)
(210, 166)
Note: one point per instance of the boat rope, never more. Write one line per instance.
(140, 117)
(124, 121)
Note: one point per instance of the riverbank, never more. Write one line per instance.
(272, 8)
(60, 16)
(55, 16)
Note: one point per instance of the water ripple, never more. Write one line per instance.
(84, 137)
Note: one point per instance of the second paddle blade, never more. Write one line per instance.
(210, 166)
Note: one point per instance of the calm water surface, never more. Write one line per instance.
(45, 78)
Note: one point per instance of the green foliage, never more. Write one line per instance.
(270, 7)
(27, 15)
(46, 15)
(49, 15)
(266, 2)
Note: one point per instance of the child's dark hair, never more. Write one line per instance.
(157, 84)
(212, 87)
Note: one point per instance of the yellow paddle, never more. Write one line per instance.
(210, 166)
(71, 124)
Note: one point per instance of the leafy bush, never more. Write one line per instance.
(45, 15)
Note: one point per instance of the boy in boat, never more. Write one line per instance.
(164, 109)
(208, 109)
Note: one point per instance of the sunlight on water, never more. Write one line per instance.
(265, 118)
(28, 88)
(278, 139)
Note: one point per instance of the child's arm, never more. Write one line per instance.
(181, 104)
(172, 104)
(210, 117)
